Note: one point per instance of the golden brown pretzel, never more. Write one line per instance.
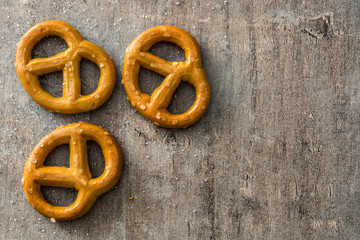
(69, 62)
(154, 107)
(78, 175)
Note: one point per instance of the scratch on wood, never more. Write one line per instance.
(246, 181)
(313, 193)
(165, 136)
(330, 190)
(188, 225)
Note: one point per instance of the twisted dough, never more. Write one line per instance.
(154, 107)
(78, 175)
(69, 62)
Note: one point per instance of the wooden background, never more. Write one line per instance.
(276, 156)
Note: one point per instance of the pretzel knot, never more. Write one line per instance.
(154, 107)
(77, 176)
(69, 62)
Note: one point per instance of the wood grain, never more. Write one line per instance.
(275, 156)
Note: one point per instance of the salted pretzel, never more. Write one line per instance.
(69, 62)
(78, 175)
(154, 107)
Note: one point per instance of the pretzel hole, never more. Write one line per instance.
(168, 51)
(59, 196)
(95, 158)
(149, 80)
(48, 46)
(89, 75)
(182, 99)
(60, 156)
(52, 83)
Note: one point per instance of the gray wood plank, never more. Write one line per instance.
(275, 156)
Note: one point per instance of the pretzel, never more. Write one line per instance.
(69, 62)
(154, 107)
(77, 176)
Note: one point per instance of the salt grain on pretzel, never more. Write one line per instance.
(69, 62)
(154, 107)
(77, 176)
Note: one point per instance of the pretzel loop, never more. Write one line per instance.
(154, 107)
(77, 176)
(68, 62)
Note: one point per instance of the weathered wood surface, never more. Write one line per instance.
(276, 156)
